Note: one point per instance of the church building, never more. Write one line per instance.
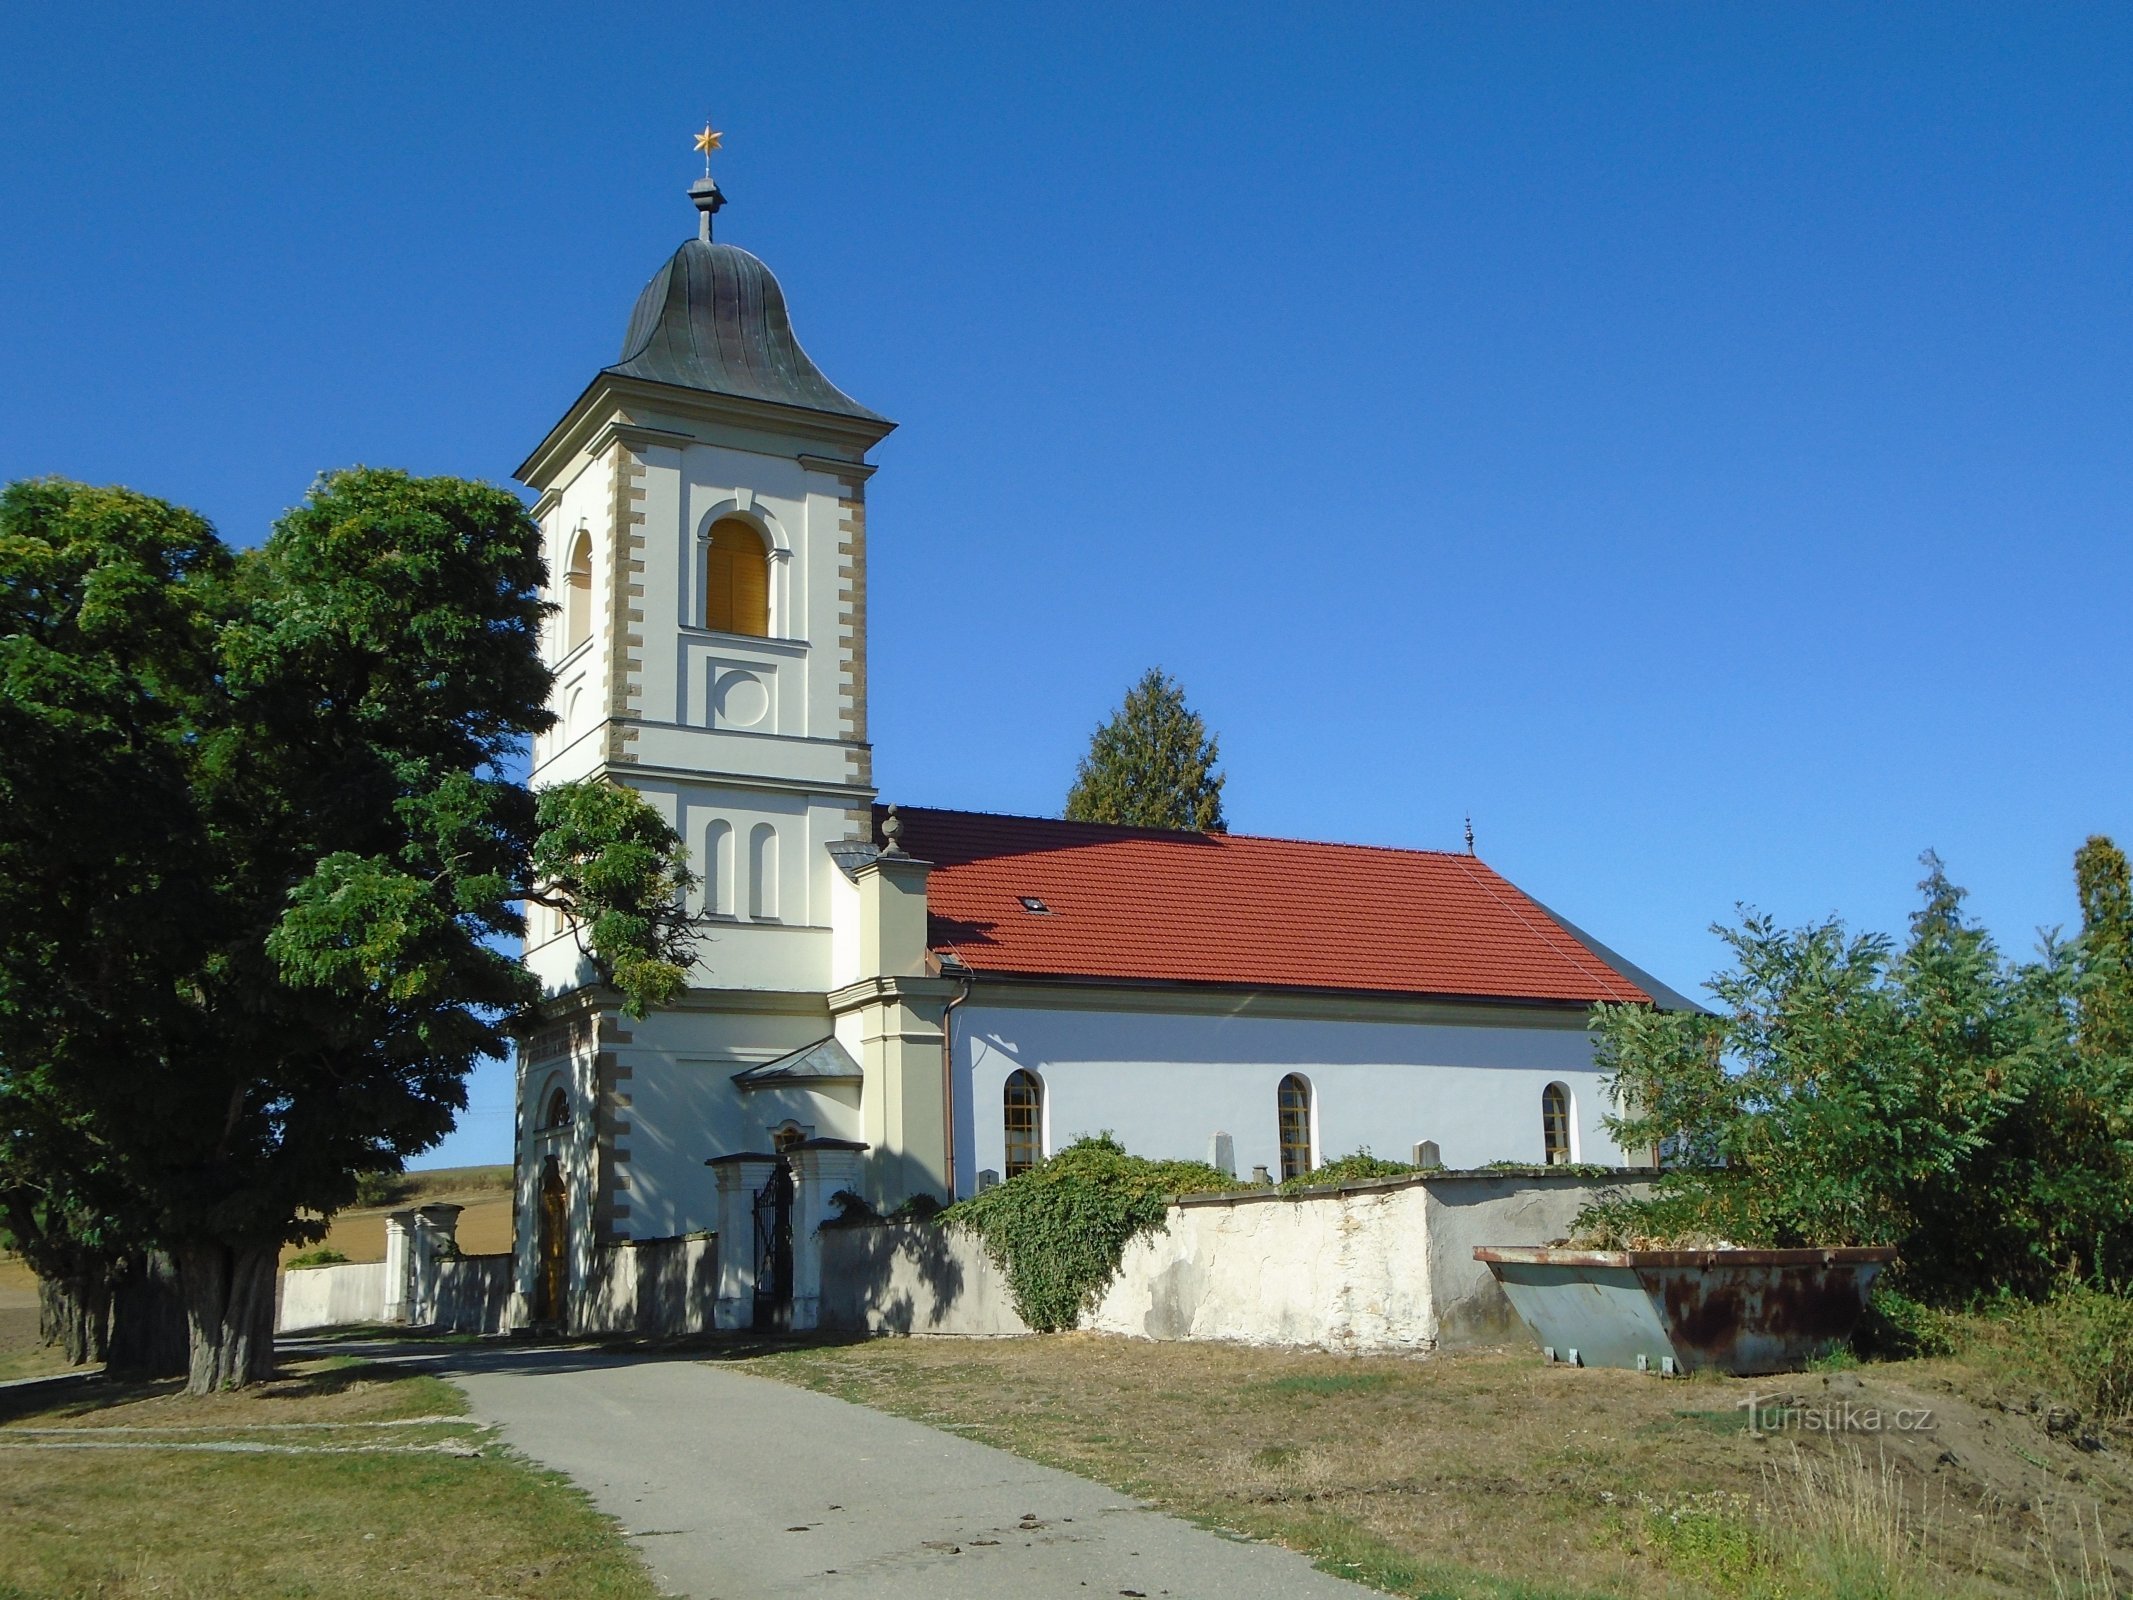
(901, 1001)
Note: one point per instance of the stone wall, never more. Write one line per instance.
(900, 1277)
(469, 1294)
(330, 1297)
(1386, 1264)
(653, 1287)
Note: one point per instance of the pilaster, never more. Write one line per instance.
(821, 1168)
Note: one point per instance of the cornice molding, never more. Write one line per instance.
(1315, 1005)
(838, 466)
(877, 991)
(783, 430)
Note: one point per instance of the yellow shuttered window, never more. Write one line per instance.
(737, 581)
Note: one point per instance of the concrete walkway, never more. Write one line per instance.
(736, 1487)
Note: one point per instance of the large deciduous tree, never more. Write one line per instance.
(283, 970)
(1152, 765)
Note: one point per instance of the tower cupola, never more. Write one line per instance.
(713, 319)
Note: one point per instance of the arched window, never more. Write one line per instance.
(1295, 1103)
(557, 1114)
(763, 871)
(1024, 1114)
(736, 580)
(789, 1137)
(1555, 1124)
(718, 870)
(578, 592)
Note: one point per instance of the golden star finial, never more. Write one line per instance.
(708, 140)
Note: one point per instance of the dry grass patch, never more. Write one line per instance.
(484, 1226)
(342, 1479)
(1493, 1474)
(22, 1353)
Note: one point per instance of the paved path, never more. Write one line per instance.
(736, 1487)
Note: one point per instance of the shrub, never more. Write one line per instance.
(1349, 1169)
(323, 1255)
(1933, 1096)
(1058, 1230)
(1896, 1328)
(374, 1189)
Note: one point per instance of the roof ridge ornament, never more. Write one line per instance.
(705, 191)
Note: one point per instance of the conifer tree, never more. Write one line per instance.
(1152, 765)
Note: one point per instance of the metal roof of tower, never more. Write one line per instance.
(713, 318)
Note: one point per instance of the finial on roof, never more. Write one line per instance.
(1470, 833)
(705, 191)
(892, 833)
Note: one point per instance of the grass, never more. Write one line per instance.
(342, 1479)
(2075, 1350)
(1493, 1476)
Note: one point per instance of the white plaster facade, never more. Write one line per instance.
(1165, 1074)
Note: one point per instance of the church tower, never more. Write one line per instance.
(704, 509)
(704, 503)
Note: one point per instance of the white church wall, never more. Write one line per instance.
(685, 1107)
(1165, 1083)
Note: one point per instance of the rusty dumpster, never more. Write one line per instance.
(1738, 1311)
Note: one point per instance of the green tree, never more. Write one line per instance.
(1938, 1098)
(107, 603)
(314, 739)
(1152, 765)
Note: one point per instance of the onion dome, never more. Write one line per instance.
(713, 318)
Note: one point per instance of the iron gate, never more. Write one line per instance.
(773, 1251)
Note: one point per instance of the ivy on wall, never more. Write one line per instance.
(1057, 1231)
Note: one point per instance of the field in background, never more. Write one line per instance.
(1490, 1475)
(484, 1226)
(337, 1490)
(21, 1356)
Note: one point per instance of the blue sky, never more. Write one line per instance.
(1691, 439)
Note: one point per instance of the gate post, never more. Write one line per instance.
(738, 1176)
(820, 1168)
(399, 1266)
(436, 1240)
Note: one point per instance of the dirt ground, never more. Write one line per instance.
(1492, 1473)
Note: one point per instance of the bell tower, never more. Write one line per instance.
(704, 505)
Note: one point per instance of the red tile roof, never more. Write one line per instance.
(1138, 904)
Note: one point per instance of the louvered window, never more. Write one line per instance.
(737, 581)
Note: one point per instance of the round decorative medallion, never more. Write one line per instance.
(743, 700)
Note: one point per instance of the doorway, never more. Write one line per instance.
(552, 1283)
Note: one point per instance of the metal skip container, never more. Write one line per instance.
(1737, 1311)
